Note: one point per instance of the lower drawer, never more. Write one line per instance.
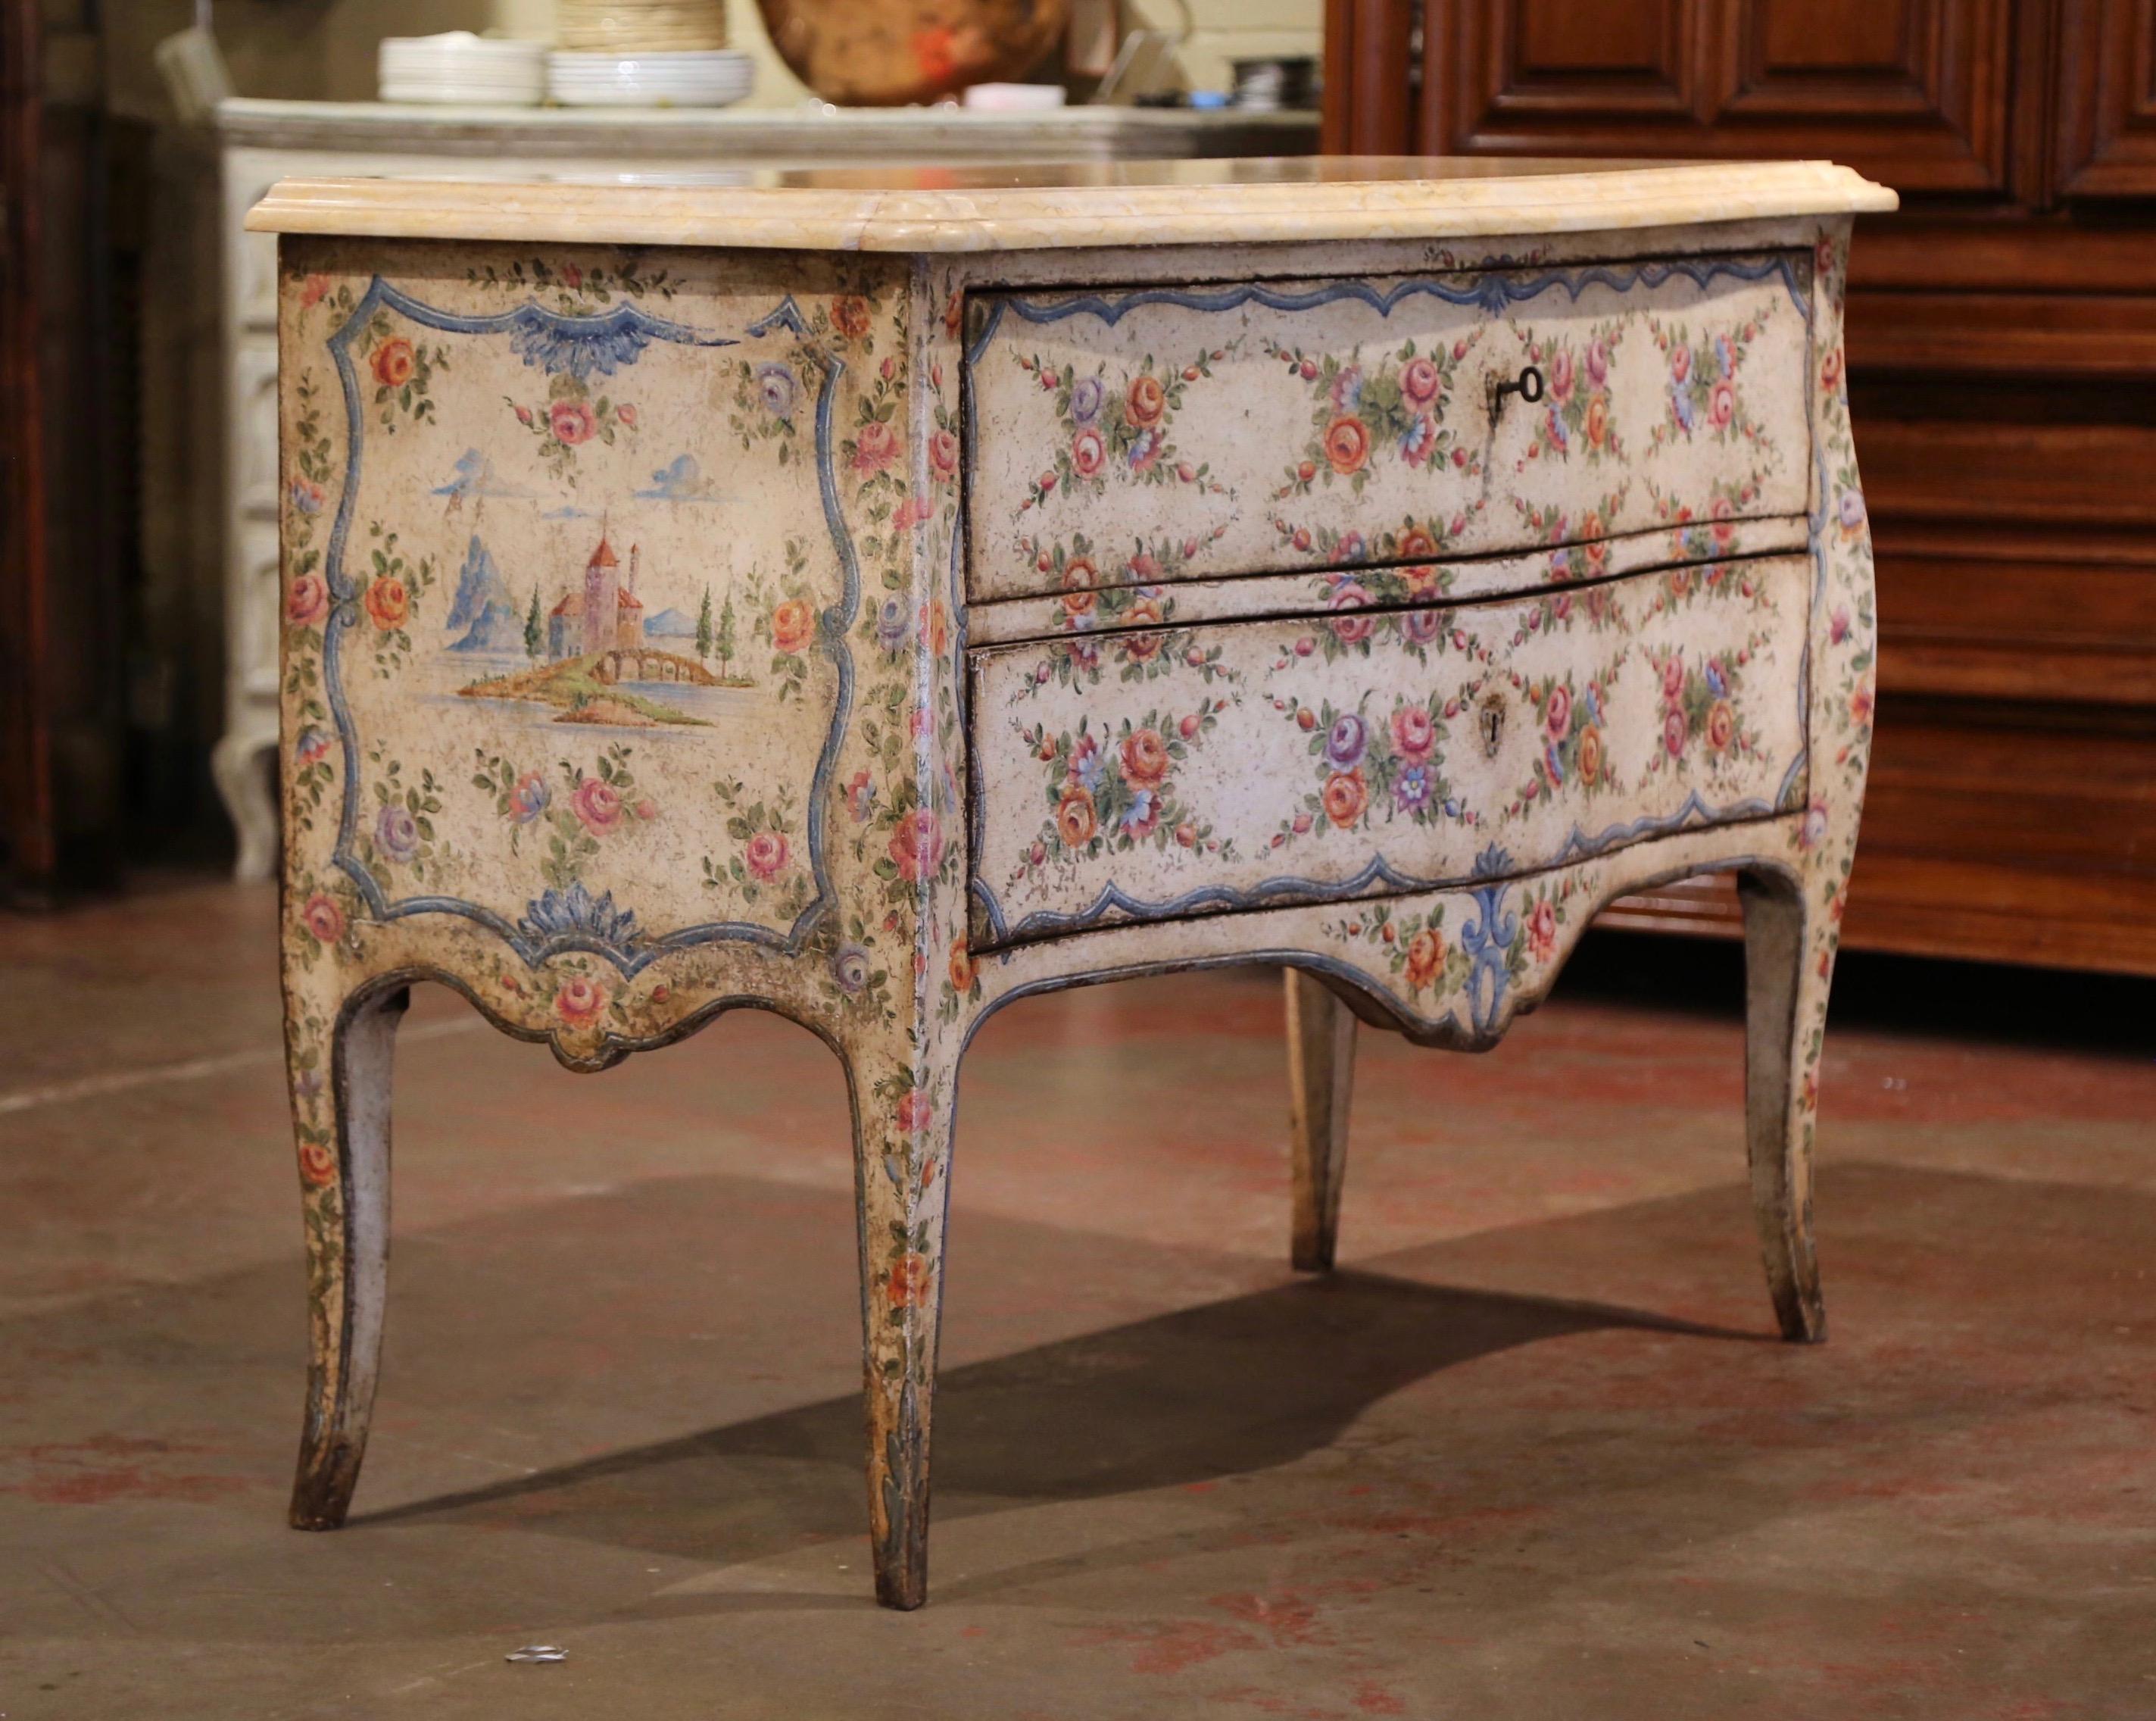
(1155, 772)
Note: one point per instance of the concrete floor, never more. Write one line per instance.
(1531, 1453)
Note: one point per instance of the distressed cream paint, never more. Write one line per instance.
(877, 597)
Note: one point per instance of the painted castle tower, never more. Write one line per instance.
(602, 593)
(605, 615)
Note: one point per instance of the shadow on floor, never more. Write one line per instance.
(1245, 1384)
(1386, 1423)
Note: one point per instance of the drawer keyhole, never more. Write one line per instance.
(1528, 388)
(1492, 719)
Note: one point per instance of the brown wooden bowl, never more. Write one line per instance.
(885, 53)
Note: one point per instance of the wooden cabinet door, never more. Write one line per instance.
(1912, 92)
(2107, 107)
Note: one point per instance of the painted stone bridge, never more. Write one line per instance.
(643, 664)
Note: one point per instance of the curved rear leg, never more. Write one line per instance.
(1784, 1022)
(1320, 1079)
(339, 1058)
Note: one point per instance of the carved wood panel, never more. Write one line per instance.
(2107, 127)
(1914, 92)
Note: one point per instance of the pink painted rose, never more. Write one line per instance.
(323, 918)
(1680, 364)
(1558, 713)
(1561, 376)
(1598, 363)
(597, 804)
(944, 454)
(1414, 734)
(1541, 929)
(875, 447)
(1088, 453)
(1421, 382)
(766, 854)
(571, 421)
(317, 1165)
(1673, 680)
(306, 600)
(579, 1000)
(915, 1112)
(1673, 730)
(1721, 404)
(916, 847)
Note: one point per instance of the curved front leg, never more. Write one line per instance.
(903, 1112)
(1784, 1025)
(338, 1052)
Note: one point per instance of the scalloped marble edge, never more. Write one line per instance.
(1049, 217)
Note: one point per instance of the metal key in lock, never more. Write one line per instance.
(1528, 387)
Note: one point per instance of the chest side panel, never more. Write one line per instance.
(568, 588)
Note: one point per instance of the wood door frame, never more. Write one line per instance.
(28, 845)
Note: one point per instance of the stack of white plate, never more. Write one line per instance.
(460, 67)
(712, 77)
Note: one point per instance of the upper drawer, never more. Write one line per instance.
(1193, 432)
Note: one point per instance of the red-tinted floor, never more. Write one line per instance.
(1529, 1453)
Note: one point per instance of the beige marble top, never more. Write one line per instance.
(1040, 205)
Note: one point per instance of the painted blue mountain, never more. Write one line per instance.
(670, 624)
(497, 627)
(480, 584)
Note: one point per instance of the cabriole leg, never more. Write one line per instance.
(1784, 1022)
(1321, 1077)
(339, 1060)
(902, 1121)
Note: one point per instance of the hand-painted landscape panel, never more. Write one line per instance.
(578, 604)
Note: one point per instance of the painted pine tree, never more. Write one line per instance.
(726, 639)
(535, 633)
(704, 626)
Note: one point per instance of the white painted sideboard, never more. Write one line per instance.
(260, 142)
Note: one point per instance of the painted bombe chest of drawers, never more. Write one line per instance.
(875, 600)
